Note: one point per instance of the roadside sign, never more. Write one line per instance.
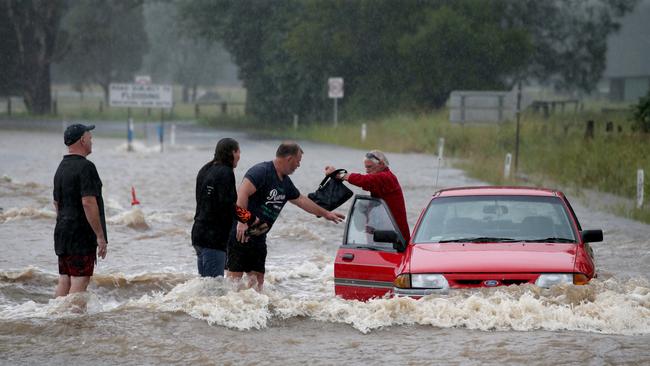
(140, 95)
(485, 106)
(335, 87)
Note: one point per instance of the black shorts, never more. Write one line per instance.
(77, 265)
(246, 257)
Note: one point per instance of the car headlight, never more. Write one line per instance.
(551, 279)
(427, 280)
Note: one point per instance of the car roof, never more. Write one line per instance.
(497, 191)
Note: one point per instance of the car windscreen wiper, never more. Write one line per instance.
(550, 240)
(480, 239)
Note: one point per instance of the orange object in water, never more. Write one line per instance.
(134, 201)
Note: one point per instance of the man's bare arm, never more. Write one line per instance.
(308, 205)
(245, 190)
(91, 209)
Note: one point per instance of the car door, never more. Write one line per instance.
(363, 268)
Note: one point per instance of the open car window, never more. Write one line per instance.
(367, 215)
(496, 219)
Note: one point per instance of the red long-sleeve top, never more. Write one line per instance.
(384, 185)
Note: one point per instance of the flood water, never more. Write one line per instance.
(147, 305)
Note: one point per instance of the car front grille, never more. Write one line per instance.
(472, 280)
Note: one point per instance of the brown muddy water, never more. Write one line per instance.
(146, 304)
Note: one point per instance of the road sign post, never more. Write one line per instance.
(140, 95)
(335, 86)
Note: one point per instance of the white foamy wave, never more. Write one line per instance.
(214, 300)
(64, 306)
(26, 213)
(611, 308)
(133, 218)
(305, 269)
(30, 274)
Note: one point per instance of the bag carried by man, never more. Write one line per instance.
(331, 192)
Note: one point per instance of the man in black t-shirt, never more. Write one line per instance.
(265, 190)
(80, 231)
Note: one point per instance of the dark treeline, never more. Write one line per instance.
(392, 54)
(96, 42)
(403, 54)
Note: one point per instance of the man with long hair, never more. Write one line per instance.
(216, 208)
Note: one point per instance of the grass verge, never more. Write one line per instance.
(553, 152)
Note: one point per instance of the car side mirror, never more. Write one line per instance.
(389, 236)
(592, 236)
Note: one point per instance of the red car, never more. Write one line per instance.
(466, 238)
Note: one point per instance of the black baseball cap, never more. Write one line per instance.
(74, 132)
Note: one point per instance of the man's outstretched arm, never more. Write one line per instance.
(308, 205)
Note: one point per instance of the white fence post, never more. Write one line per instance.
(295, 121)
(639, 188)
(172, 136)
(506, 168)
(364, 132)
(129, 134)
(441, 147)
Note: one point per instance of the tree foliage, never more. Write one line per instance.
(30, 48)
(641, 114)
(106, 42)
(176, 56)
(411, 53)
(9, 77)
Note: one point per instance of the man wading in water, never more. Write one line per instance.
(265, 190)
(80, 231)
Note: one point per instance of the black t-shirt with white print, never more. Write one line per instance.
(270, 196)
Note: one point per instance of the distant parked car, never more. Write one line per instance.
(467, 237)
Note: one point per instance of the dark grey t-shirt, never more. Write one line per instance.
(76, 177)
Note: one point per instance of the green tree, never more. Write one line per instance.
(396, 54)
(253, 32)
(641, 114)
(35, 26)
(461, 48)
(106, 42)
(176, 56)
(358, 41)
(10, 75)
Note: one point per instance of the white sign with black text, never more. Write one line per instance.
(140, 95)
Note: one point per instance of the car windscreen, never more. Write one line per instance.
(495, 219)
